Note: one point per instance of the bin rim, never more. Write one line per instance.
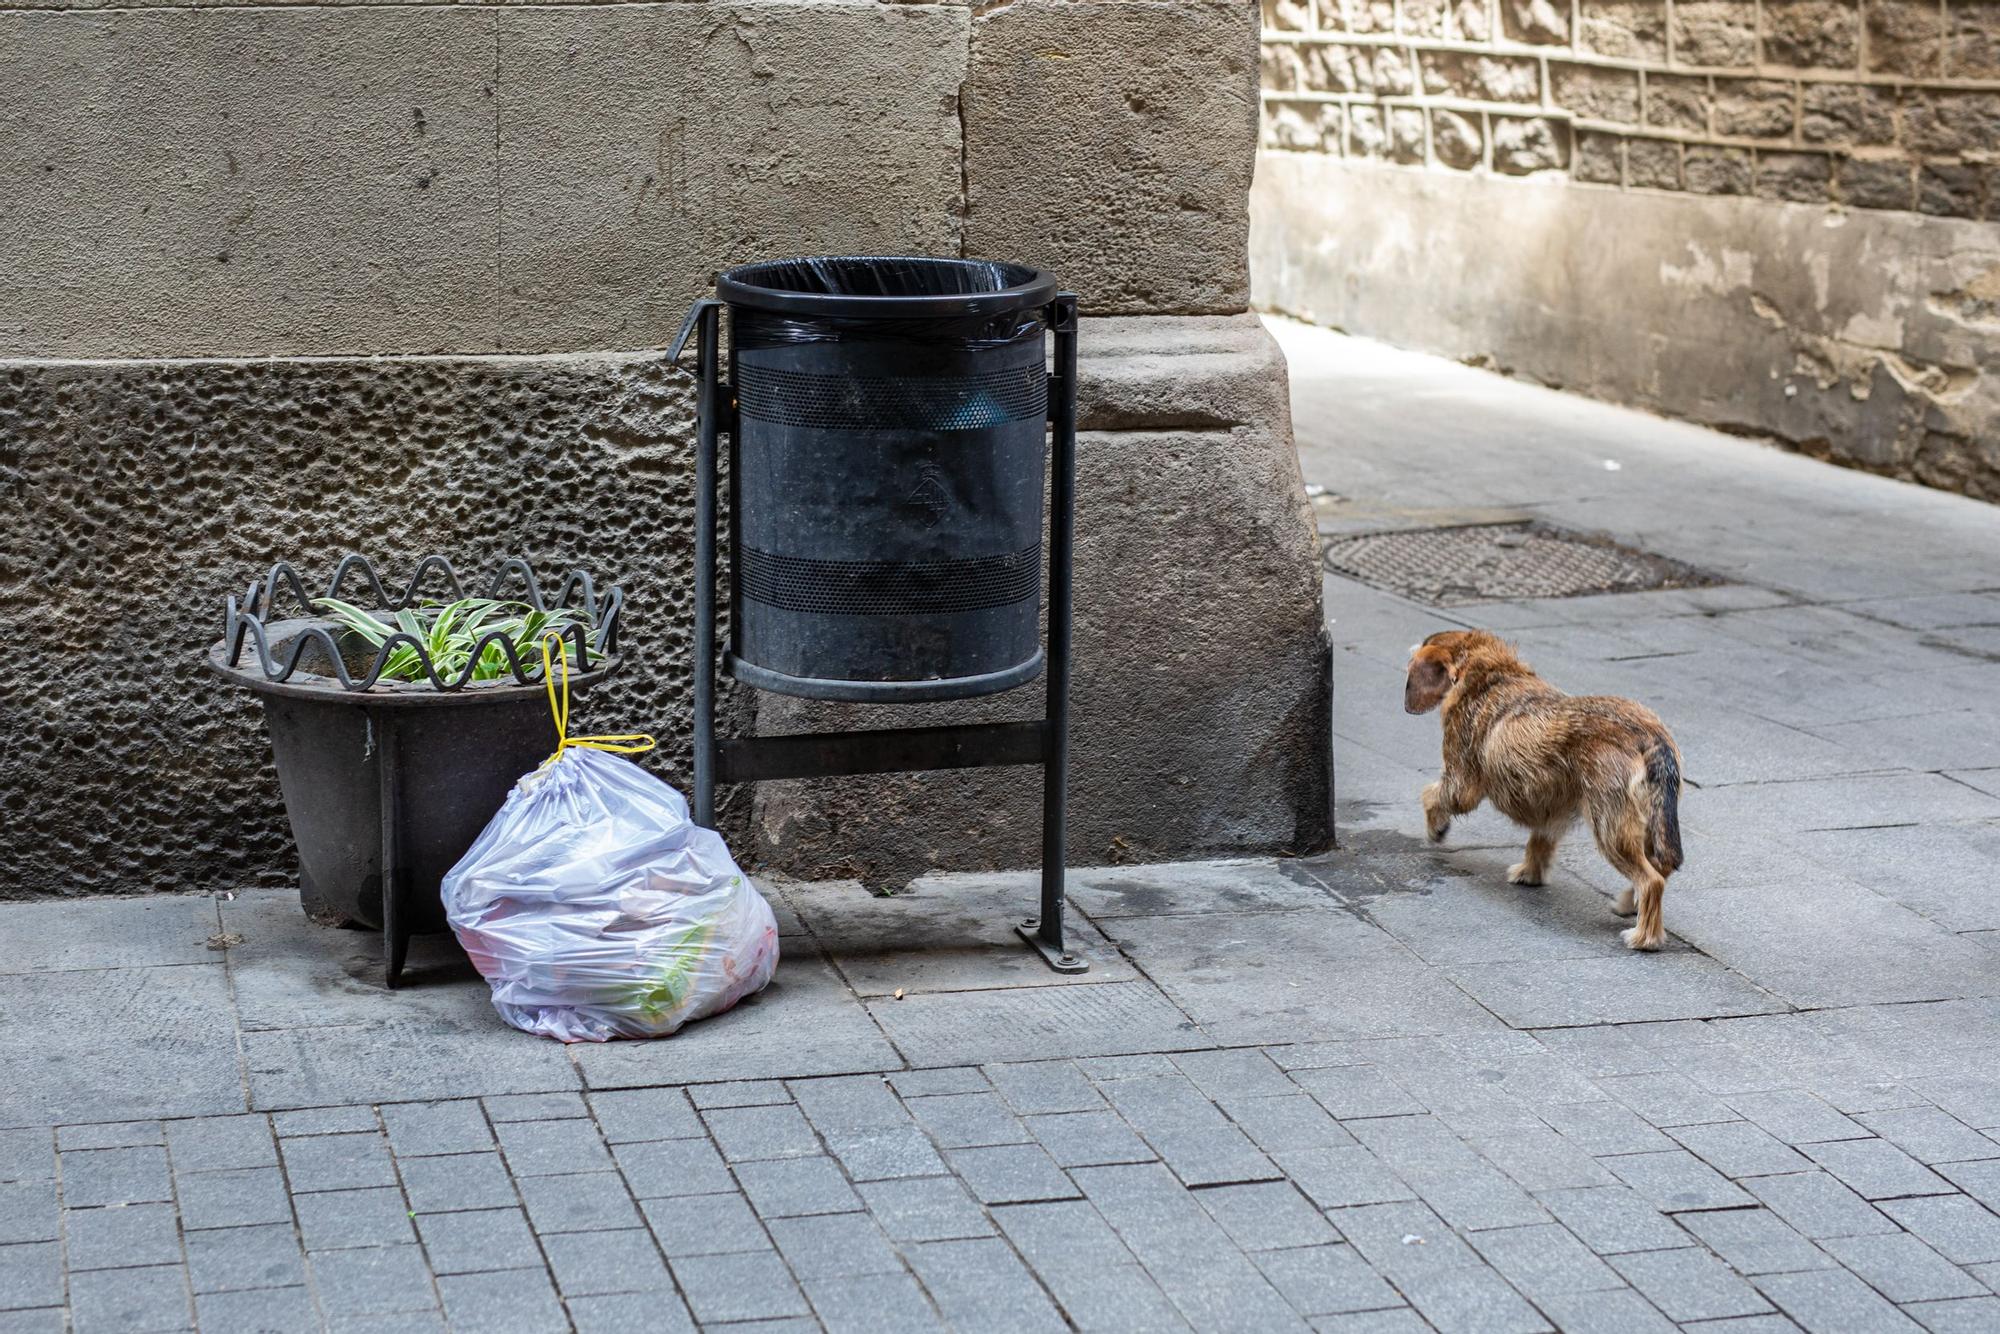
(1036, 288)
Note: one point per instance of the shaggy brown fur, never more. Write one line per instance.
(1543, 758)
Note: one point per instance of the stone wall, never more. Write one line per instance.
(393, 277)
(1729, 161)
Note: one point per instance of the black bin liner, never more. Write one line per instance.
(888, 465)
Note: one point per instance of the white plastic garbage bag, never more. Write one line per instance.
(597, 909)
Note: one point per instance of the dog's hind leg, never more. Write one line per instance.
(1533, 868)
(1623, 843)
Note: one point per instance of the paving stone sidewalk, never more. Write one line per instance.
(1376, 1089)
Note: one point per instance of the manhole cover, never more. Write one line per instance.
(1447, 567)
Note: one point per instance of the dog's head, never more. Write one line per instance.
(1436, 665)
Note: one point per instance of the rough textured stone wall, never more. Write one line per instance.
(1868, 116)
(392, 277)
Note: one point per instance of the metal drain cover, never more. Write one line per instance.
(1448, 567)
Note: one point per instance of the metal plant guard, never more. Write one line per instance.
(388, 782)
(889, 424)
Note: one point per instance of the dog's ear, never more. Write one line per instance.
(1429, 682)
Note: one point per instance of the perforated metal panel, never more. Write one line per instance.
(875, 403)
(889, 588)
(1450, 566)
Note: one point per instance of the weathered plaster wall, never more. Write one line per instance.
(384, 277)
(1772, 217)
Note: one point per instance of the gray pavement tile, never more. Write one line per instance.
(1875, 1169)
(1120, 1298)
(334, 1220)
(1544, 1260)
(580, 1202)
(211, 1143)
(834, 1246)
(1604, 1128)
(1213, 968)
(1107, 1019)
(552, 1148)
(879, 1153)
(740, 1093)
(1667, 1100)
(1797, 1117)
(1601, 1050)
(925, 1209)
(418, 1056)
(1988, 1273)
(237, 1197)
(1267, 1216)
(1325, 1280)
(1613, 1220)
(1088, 1139)
(535, 1107)
(1618, 1311)
(1484, 919)
(1029, 1087)
(265, 1255)
(437, 1127)
(972, 1120)
(1755, 1241)
(949, 1079)
(1818, 1206)
(31, 1275)
(705, 1225)
(1415, 1143)
(1833, 1301)
(1930, 1135)
(758, 1039)
(43, 1320)
(1109, 893)
(1924, 867)
(1852, 802)
(749, 1285)
(982, 1285)
(1903, 1269)
(1351, 1091)
(121, 1236)
(115, 1176)
(66, 934)
(747, 1133)
(1243, 1072)
(1973, 1099)
(1537, 1159)
(628, 1115)
(325, 1121)
(1469, 1299)
(872, 1302)
(1189, 1133)
(1676, 1180)
(1333, 1178)
(512, 1301)
(1689, 1284)
(657, 1312)
(1967, 1315)
(850, 1102)
(477, 1240)
(1958, 1228)
(109, 1135)
(441, 1184)
(1612, 991)
(27, 1154)
(790, 1187)
(658, 1168)
(338, 1162)
(129, 1301)
(1980, 1180)
(1060, 1235)
(1401, 1320)
(1277, 1125)
(589, 1264)
(1471, 1198)
(1740, 1149)
(1011, 1174)
(1401, 1240)
(267, 1311)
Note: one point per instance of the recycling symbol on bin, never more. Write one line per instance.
(929, 496)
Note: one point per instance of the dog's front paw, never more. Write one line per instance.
(1520, 873)
(1630, 935)
(1435, 830)
(1437, 820)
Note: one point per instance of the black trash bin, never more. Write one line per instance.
(892, 424)
(888, 465)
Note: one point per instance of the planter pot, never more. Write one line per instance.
(386, 787)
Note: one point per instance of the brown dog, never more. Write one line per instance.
(1543, 758)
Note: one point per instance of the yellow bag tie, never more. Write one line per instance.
(624, 743)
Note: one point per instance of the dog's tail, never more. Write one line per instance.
(1661, 779)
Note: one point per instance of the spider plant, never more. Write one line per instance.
(452, 631)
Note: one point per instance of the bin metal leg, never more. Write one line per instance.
(708, 414)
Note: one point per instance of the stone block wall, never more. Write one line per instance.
(394, 277)
(1876, 113)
